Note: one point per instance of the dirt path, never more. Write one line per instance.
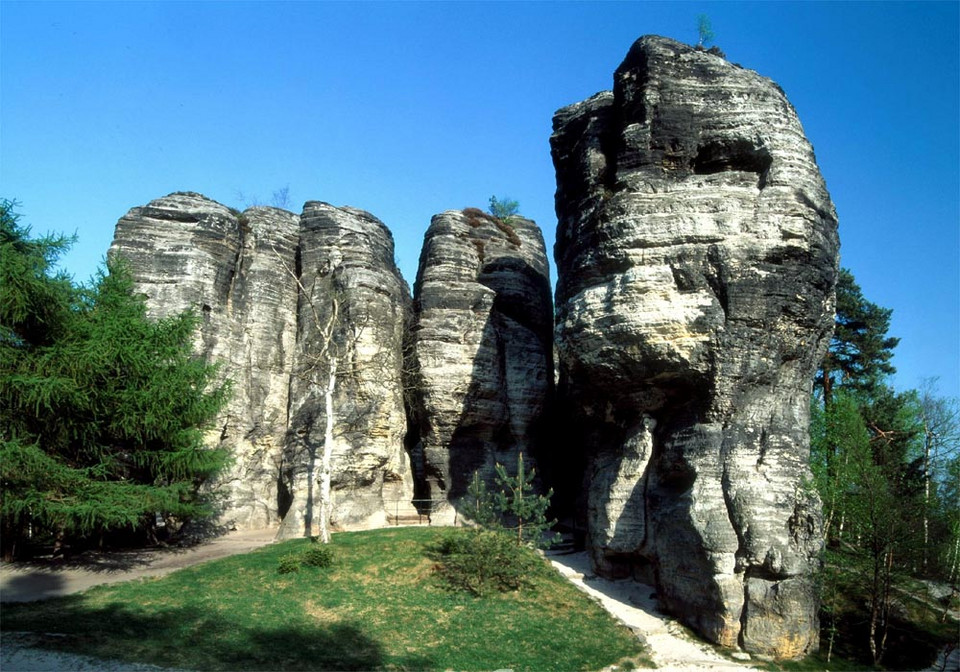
(671, 648)
(24, 582)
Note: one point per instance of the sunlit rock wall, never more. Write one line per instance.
(697, 257)
(263, 282)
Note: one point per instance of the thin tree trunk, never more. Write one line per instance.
(874, 611)
(926, 495)
(326, 457)
(521, 479)
(955, 559)
(885, 606)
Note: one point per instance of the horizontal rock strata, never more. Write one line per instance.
(263, 282)
(697, 257)
(482, 347)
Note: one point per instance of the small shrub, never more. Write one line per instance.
(476, 217)
(509, 232)
(288, 564)
(503, 208)
(479, 561)
(314, 555)
(317, 555)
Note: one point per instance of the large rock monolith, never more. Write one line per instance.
(697, 257)
(265, 282)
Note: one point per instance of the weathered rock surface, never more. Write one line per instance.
(354, 305)
(482, 348)
(242, 272)
(697, 257)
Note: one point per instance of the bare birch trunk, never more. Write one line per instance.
(926, 497)
(326, 457)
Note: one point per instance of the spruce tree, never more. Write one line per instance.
(102, 409)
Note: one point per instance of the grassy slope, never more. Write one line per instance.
(380, 606)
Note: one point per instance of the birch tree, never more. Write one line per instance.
(323, 303)
(940, 422)
(349, 357)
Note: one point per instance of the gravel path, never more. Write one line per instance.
(671, 648)
(24, 582)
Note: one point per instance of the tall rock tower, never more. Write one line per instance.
(279, 295)
(697, 258)
(482, 346)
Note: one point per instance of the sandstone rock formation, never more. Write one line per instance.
(354, 306)
(244, 273)
(482, 347)
(697, 257)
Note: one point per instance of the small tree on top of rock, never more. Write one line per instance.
(503, 209)
(704, 30)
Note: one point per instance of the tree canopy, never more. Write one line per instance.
(102, 409)
(883, 462)
(503, 208)
(860, 352)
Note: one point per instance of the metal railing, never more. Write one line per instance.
(423, 509)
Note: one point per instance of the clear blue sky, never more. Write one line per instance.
(409, 109)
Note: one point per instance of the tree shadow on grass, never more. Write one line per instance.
(202, 639)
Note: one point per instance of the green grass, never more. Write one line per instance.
(380, 606)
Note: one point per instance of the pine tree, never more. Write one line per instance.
(704, 30)
(102, 410)
(503, 208)
(860, 352)
(515, 506)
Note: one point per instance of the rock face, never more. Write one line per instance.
(697, 258)
(354, 306)
(482, 346)
(257, 279)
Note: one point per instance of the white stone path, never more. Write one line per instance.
(670, 647)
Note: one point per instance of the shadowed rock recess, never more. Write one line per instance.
(697, 258)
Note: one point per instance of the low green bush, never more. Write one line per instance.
(288, 564)
(317, 555)
(314, 555)
(479, 561)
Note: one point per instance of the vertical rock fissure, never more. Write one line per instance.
(237, 267)
(741, 554)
